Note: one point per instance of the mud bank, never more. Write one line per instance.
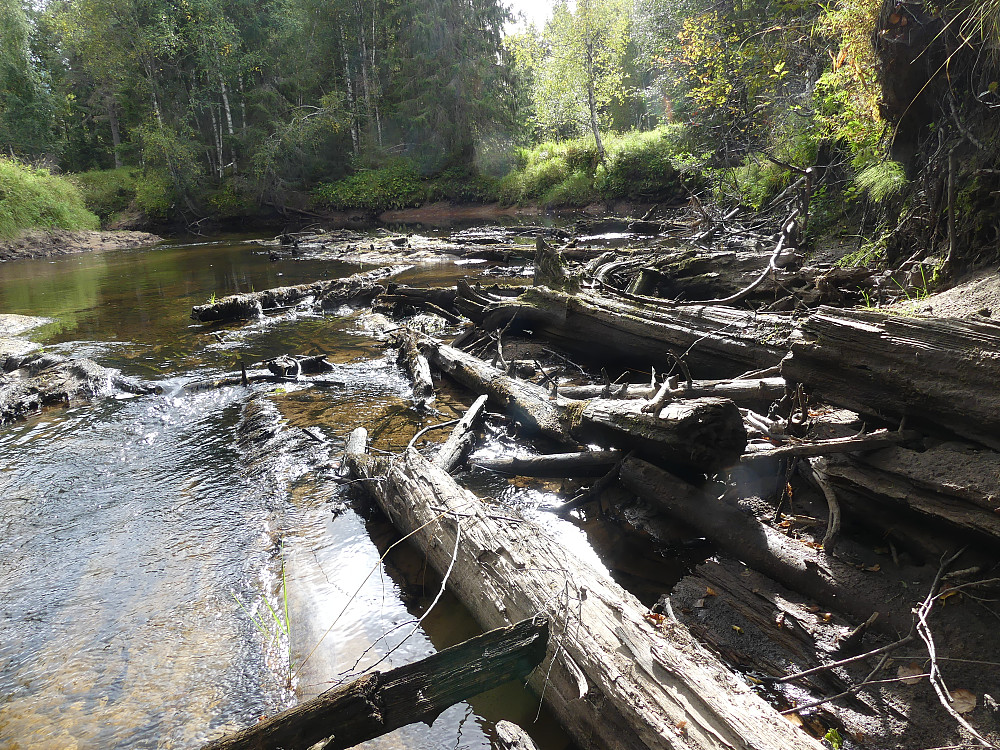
(38, 243)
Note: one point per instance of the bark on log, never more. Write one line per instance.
(326, 295)
(700, 435)
(741, 391)
(714, 341)
(415, 363)
(460, 440)
(792, 563)
(511, 737)
(612, 679)
(383, 701)
(935, 372)
(581, 464)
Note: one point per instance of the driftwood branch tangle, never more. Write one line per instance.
(933, 371)
(612, 679)
(382, 701)
(361, 287)
(703, 435)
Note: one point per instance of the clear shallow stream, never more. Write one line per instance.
(130, 528)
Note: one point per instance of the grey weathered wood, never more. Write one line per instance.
(579, 464)
(379, 702)
(703, 435)
(415, 363)
(327, 294)
(611, 678)
(741, 391)
(461, 439)
(934, 372)
(511, 737)
(870, 442)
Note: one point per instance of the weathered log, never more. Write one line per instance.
(934, 372)
(415, 363)
(383, 701)
(328, 294)
(741, 391)
(870, 442)
(460, 440)
(714, 341)
(402, 299)
(580, 464)
(832, 583)
(43, 379)
(612, 679)
(700, 435)
(511, 737)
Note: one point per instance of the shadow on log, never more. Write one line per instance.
(383, 701)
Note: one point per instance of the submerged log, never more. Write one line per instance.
(580, 464)
(713, 340)
(326, 295)
(611, 678)
(933, 372)
(793, 563)
(700, 435)
(380, 702)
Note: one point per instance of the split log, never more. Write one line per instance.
(380, 702)
(793, 563)
(695, 435)
(611, 678)
(511, 737)
(580, 464)
(326, 295)
(713, 340)
(934, 372)
(415, 363)
(462, 437)
(741, 391)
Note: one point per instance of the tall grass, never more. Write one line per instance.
(35, 199)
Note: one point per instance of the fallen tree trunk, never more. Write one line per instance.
(326, 295)
(701, 435)
(612, 679)
(581, 464)
(380, 702)
(741, 391)
(933, 372)
(461, 439)
(415, 363)
(713, 340)
(791, 562)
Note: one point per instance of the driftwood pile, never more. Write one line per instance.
(842, 464)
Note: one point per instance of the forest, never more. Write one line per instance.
(168, 112)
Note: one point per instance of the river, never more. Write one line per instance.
(138, 548)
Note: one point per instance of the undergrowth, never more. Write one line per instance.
(35, 199)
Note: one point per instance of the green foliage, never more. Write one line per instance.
(155, 195)
(34, 199)
(870, 253)
(108, 191)
(833, 738)
(395, 185)
(637, 166)
(461, 185)
(882, 181)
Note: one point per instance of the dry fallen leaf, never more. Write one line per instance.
(739, 631)
(911, 673)
(962, 700)
(709, 591)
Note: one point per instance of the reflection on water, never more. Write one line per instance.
(128, 526)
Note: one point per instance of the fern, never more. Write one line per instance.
(882, 181)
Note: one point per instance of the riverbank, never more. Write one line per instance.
(41, 243)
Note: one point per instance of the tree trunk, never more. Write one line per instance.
(380, 702)
(611, 678)
(348, 80)
(696, 435)
(581, 464)
(116, 137)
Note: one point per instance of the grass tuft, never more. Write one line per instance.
(35, 199)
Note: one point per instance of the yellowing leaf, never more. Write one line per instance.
(911, 673)
(963, 700)
(709, 591)
(738, 629)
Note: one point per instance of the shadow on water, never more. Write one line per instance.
(129, 525)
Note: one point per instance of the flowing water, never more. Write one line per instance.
(141, 537)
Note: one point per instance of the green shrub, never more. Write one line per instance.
(34, 199)
(639, 165)
(461, 185)
(576, 190)
(395, 185)
(155, 194)
(108, 191)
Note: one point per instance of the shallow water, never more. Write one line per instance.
(136, 545)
